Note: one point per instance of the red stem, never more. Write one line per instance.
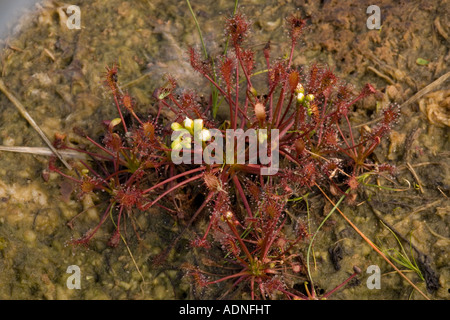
(242, 195)
(173, 178)
(329, 293)
(120, 112)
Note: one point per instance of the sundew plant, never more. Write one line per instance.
(298, 124)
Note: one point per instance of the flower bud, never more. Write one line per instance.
(198, 125)
(262, 136)
(260, 112)
(176, 126)
(186, 142)
(176, 144)
(309, 97)
(205, 135)
(188, 124)
(299, 89)
(299, 145)
(114, 122)
(300, 97)
(228, 215)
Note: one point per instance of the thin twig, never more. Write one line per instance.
(434, 233)
(429, 88)
(425, 207)
(381, 75)
(133, 82)
(42, 151)
(415, 177)
(30, 120)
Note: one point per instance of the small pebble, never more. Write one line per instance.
(29, 236)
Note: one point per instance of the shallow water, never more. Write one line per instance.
(57, 74)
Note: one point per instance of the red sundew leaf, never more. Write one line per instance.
(114, 241)
(149, 130)
(391, 114)
(111, 77)
(199, 278)
(212, 182)
(248, 59)
(293, 80)
(87, 185)
(313, 74)
(226, 69)
(327, 81)
(353, 183)
(331, 138)
(237, 28)
(272, 285)
(277, 73)
(390, 169)
(230, 244)
(113, 142)
(197, 63)
(295, 27)
(344, 92)
(129, 197)
(166, 89)
(128, 102)
(189, 103)
(368, 90)
(201, 243)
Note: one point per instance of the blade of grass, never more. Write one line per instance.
(314, 236)
(401, 257)
(128, 248)
(198, 29)
(215, 92)
(372, 244)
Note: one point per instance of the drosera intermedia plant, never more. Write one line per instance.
(123, 163)
(259, 254)
(134, 167)
(255, 247)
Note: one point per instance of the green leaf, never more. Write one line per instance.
(422, 62)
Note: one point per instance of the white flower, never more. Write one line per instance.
(183, 140)
(176, 145)
(198, 126)
(262, 136)
(188, 124)
(205, 135)
(176, 126)
(300, 97)
(299, 89)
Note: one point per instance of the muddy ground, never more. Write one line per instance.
(57, 74)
